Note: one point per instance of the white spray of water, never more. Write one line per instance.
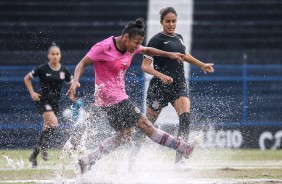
(15, 164)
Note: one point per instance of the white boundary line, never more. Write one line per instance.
(175, 180)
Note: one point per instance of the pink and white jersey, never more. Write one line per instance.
(110, 66)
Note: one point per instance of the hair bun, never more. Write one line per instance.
(140, 23)
(161, 11)
(53, 44)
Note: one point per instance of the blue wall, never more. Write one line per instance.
(238, 95)
(234, 96)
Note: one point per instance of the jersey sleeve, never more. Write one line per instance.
(179, 36)
(95, 52)
(155, 43)
(36, 72)
(139, 49)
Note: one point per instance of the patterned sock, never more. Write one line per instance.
(164, 139)
(184, 149)
(167, 140)
(104, 148)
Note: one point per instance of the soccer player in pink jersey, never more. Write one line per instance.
(111, 58)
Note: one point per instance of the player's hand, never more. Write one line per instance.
(207, 68)
(178, 56)
(166, 79)
(35, 96)
(72, 91)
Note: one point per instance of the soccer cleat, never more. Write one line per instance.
(33, 161)
(178, 157)
(83, 166)
(186, 150)
(33, 156)
(44, 154)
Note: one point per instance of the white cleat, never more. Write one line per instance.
(186, 150)
(197, 141)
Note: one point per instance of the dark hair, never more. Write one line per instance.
(134, 28)
(53, 44)
(165, 11)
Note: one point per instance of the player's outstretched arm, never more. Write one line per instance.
(79, 69)
(156, 52)
(146, 67)
(206, 67)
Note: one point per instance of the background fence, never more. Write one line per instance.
(242, 37)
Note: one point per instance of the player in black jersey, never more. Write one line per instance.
(168, 84)
(51, 76)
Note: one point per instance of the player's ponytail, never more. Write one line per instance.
(52, 45)
(134, 28)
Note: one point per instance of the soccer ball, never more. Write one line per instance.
(67, 113)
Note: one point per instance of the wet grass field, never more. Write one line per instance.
(154, 165)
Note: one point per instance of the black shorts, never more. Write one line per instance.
(123, 114)
(159, 94)
(45, 105)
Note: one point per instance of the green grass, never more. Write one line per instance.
(240, 154)
(233, 164)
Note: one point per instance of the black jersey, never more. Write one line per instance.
(51, 80)
(166, 65)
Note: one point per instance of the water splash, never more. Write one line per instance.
(15, 164)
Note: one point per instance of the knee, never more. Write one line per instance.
(145, 125)
(54, 124)
(51, 124)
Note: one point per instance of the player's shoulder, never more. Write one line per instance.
(43, 66)
(64, 67)
(158, 36)
(105, 44)
(179, 36)
(156, 40)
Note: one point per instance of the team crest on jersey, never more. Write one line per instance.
(155, 104)
(48, 107)
(137, 110)
(62, 75)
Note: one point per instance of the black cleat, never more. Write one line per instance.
(83, 166)
(33, 161)
(33, 156)
(44, 155)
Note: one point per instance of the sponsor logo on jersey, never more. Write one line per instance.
(166, 42)
(62, 75)
(48, 74)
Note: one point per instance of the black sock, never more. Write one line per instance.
(35, 152)
(46, 135)
(184, 122)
